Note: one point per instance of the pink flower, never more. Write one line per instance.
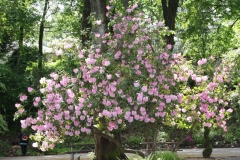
(98, 22)
(198, 79)
(109, 76)
(21, 110)
(17, 105)
(129, 99)
(64, 81)
(106, 63)
(230, 110)
(30, 89)
(67, 46)
(160, 24)
(135, 5)
(80, 54)
(54, 76)
(112, 125)
(74, 80)
(98, 50)
(162, 114)
(35, 103)
(108, 7)
(220, 78)
(97, 35)
(204, 78)
(23, 124)
(92, 80)
(37, 99)
(130, 46)
(23, 97)
(166, 87)
(140, 51)
(119, 121)
(189, 119)
(148, 47)
(58, 52)
(139, 97)
(117, 55)
(202, 61)
(129, 10)
(136, 67)
(144, 88)
(173, 113)
(169, 46)
(75, 70)
(207, 124)
(90, 61)
(136, 84)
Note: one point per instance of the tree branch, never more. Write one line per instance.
(234, 22)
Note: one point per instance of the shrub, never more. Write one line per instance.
(166, 155)
(207, 145)
(4, 148)
(134, 142)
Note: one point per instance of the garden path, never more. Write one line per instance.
(189, 154)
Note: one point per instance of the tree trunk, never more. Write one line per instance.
(99, 8)
(20, 44)
(108, 150)
(154, 141)
(125, 3)
(169, 8)
(104, 148)
(86, 26)
(21, 36)
(41, 33)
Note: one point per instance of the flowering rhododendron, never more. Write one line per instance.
(135, 80)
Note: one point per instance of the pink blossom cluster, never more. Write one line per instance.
(136, 80)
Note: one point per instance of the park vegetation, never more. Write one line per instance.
(117, 71)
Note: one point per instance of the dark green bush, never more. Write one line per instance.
(4, 148)
(207, 145)
(133, 142)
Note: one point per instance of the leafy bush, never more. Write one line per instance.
(4, 148)
(60, 148)
(133, 142)
(167, 155)
(162, 136)
(3, 125)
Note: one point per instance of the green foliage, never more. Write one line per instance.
(160, 155)
(162, 136)
(206, 29)
(166, 155)
(4, 148)
(13, 15)
(60, 148)
(2, 86)
(207, 145)
(3, 125)
(134, 141)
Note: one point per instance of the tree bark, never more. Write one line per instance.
(99, 8)
(86, 26)
(169, 8)
(21, 36)
(106, 147)
(41, 33)
(125, 3)
(20, 44)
